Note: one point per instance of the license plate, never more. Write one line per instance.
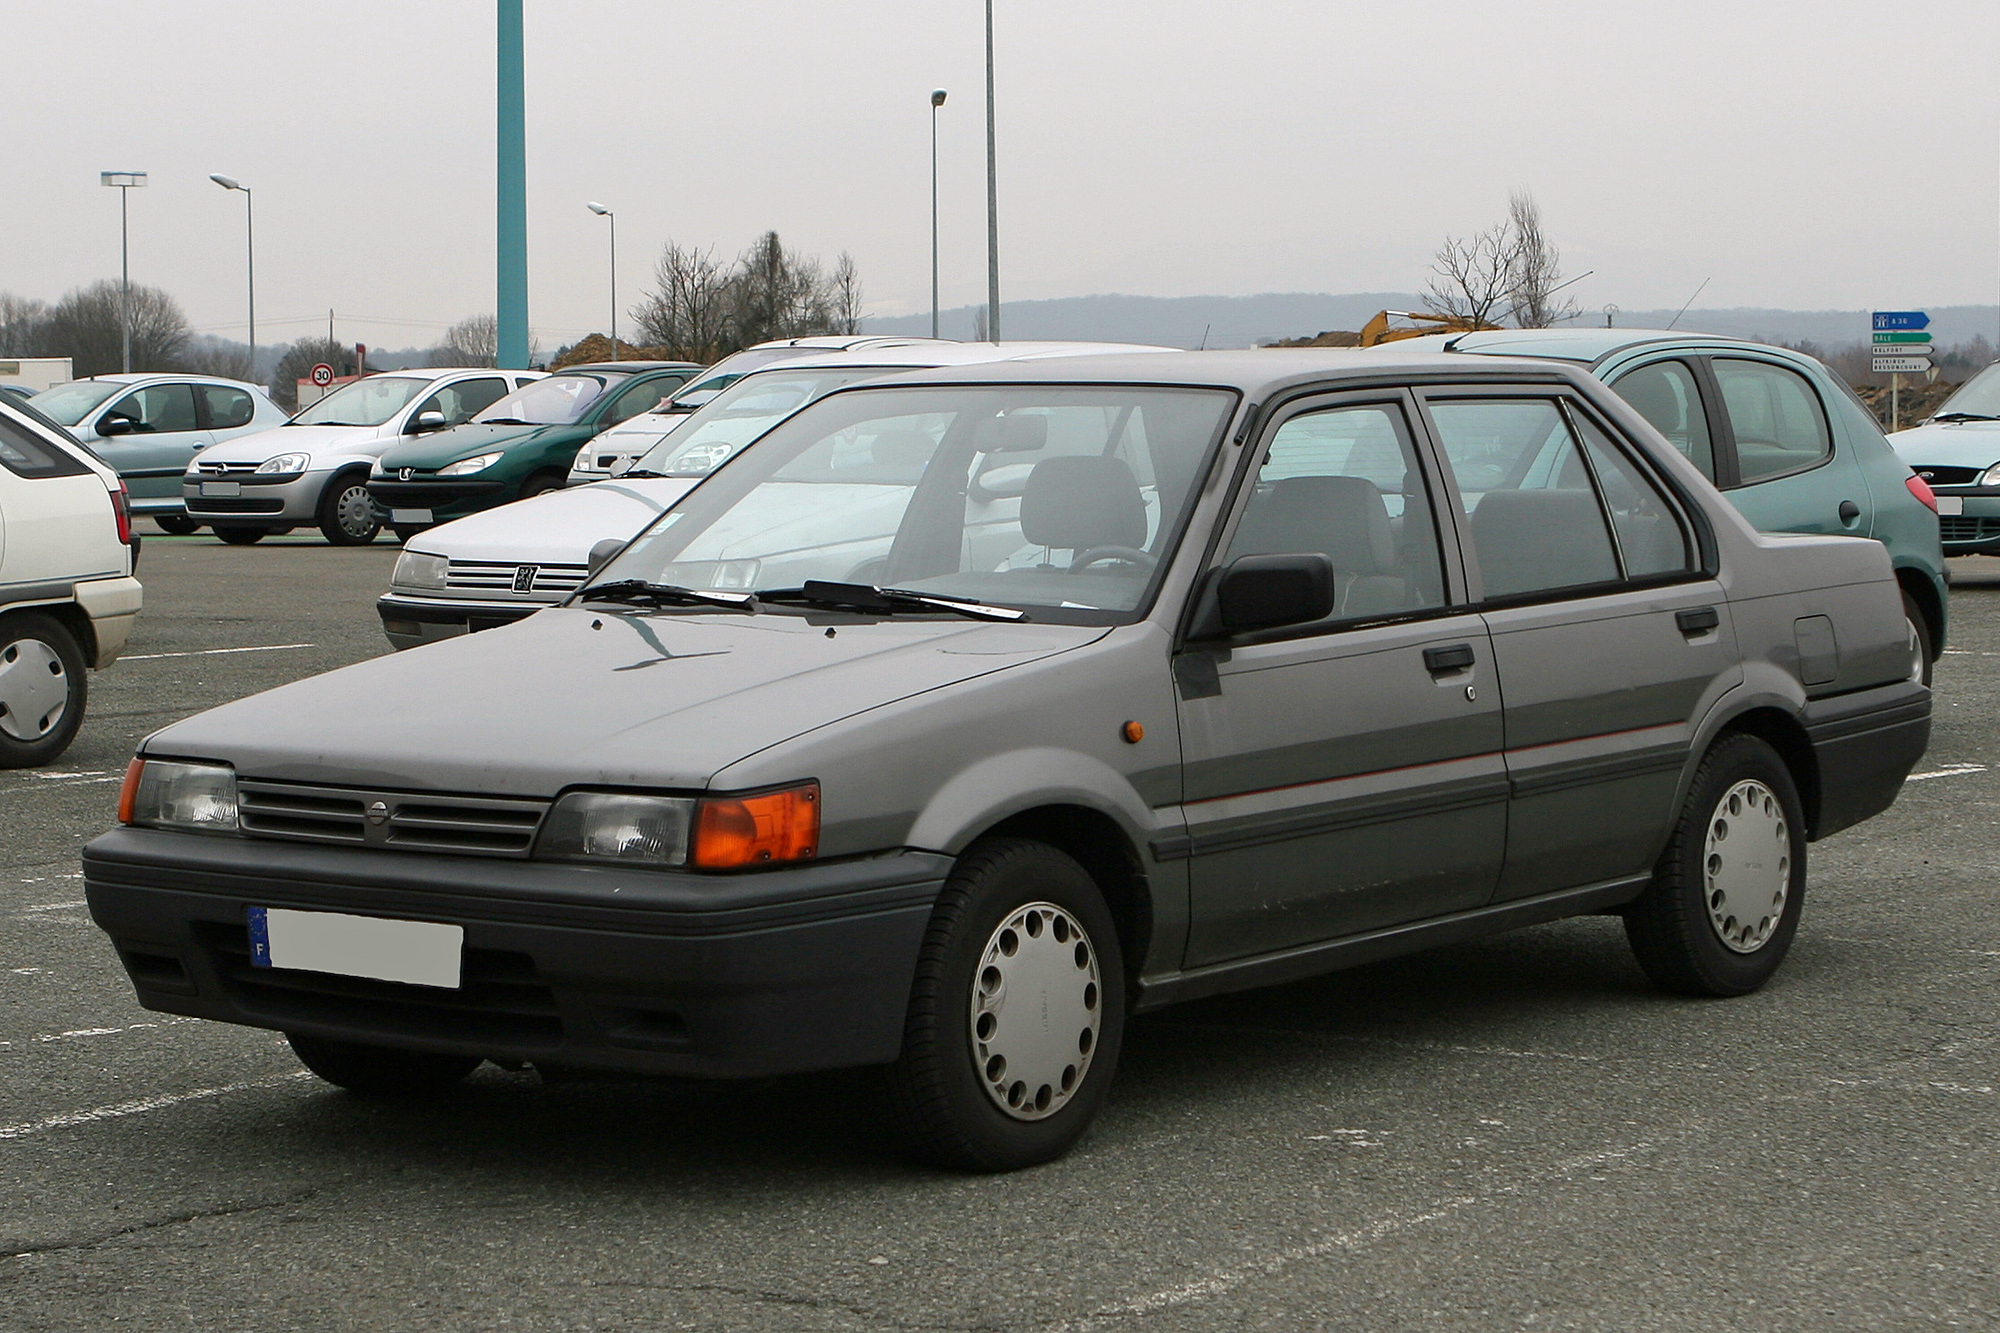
(222, 489)
(409, 516)
(418, 953)
(1951, 504)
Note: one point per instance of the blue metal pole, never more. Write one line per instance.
(512, 195)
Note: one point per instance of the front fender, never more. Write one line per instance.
(1006, 784)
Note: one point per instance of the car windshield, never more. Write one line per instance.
(368, 402)
(1060, 500)
(740, 413)
(558, 400)
(731, 369)
(1977, 397)
(72, 402)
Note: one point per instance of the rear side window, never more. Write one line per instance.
(227, 408)
(1775, 416)
(25, 454)
(158, 409)
(1664, 393)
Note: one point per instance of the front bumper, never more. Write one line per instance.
(286, 502)
(445, 499)
(704, 975)
(411, 622)
(1976, 530)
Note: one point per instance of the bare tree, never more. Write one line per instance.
(300, 358)
(1473, 276)
(687, 312)
(844, 296)
(979, 324)
(1536, 268)
(209, 355)
(473, 341)
(777, 294)
(85, 327)
(23, 325)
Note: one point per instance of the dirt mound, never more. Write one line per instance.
(1332, 338)
(597, 347)
(1916, 402)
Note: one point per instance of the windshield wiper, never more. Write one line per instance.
(326, 423)
(505, 421)
(1965, 416)
(641, 593)
(885, 601)
(639, 472)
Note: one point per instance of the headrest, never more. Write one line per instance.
(1652, 397)
(1078, 501)
(1530, 540)
(1342, 517)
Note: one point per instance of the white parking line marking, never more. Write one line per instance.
(74, 1033)
(1948, 771)
(66, 1119)
(209, 652)
(52, 907)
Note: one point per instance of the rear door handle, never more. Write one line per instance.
(1849, 511)
(1700, 620)
(1453, 657)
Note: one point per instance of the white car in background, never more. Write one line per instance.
(314, 468)
(505, 564)
(67, 595)
(618, 448)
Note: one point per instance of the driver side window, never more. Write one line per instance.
(457, 402)
(158, 408)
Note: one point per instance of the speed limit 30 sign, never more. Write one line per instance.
(321, 374)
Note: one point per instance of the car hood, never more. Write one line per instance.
(589, 696)
(556, 527)
(448, 446)
(1950, 444)
(315, 440)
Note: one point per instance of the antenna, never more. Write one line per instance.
(1690, 301)
(1204, 337)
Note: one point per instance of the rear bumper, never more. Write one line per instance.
(701, 975)
(1865, 745)
(410, 622)
(112, 605)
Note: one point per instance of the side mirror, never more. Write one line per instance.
(1267, 591)
(600, 554)
(115, 423)
(424, 421)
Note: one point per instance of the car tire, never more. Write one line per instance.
(1725, 899)
(43, 689)
(1923, 653)
(540, 484)
(347, 517)
(177, 525)
(405, 531)
(1016, 917)
(240, 536)
(380, 1071)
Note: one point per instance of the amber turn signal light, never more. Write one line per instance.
(128, 793)
(736, 831)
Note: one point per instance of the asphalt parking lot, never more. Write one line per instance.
(1516, 1133)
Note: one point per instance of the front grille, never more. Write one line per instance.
(505, 576)
(501, 997)
(1950, 476)
(212, 471)
(1967, 528)
(219, 504)
(405, 821)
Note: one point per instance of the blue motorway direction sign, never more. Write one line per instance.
(1901, 319)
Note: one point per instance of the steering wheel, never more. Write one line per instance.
(1130, 555)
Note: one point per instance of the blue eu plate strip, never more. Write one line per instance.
(260, 937)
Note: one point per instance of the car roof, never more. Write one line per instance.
(1588, 345)
(841, 341)
(927, 354)
(628, 367)
(149, 376)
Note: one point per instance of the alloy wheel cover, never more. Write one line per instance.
(1037, 1005)
(34, 689)
(1746, 866)
(356, 512)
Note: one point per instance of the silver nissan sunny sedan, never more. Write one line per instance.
(1091, 686)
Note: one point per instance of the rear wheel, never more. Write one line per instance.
(347, 517)
(42, 689)
(1017, 1012)
(405, 531)
(241, 536)
(176, 525)
(1923, 654)
(380, 1071)
(1725, 899)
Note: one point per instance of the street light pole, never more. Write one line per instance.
(992, 204)
(937, 100)
(249, 256)
(606, 213)
(124, 182)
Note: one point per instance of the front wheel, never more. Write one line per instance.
(540, 484)
(1726, 895)
(240, 536)
(1017, 1013)
(405, 531)
(380, 1071)
(42, 689)
(347, 516)
(177, 525)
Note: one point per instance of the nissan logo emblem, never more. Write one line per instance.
(378, 812)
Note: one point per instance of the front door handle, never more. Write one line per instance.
(1453, 657)
(1700, 620)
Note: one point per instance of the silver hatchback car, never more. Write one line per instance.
(972, 709)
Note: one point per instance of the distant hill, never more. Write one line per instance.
(1246, 321)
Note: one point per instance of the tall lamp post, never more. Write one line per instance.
(937, 100)
(607, 214)
(249, 256)
(124, 182)
(992, 206)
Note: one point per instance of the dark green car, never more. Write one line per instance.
(518, 447)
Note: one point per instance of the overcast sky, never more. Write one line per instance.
(1808, 155)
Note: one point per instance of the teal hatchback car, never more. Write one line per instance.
(1957, 451)
(520, 446)
(1785, 440)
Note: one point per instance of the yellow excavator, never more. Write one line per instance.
(1378, 330)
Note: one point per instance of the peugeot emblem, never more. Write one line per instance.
(378, 812)
(404, 475)
(524, 578)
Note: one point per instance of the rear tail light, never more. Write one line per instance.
(122, 509)
(1922, 490)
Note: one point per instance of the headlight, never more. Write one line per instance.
(284, 463)
(467, 466)
(711, 833)
(583, 462)
(197, 798)
(419, 569)
(1991, 476)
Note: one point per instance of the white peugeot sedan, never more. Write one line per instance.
(504, 564)
(314, 468)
